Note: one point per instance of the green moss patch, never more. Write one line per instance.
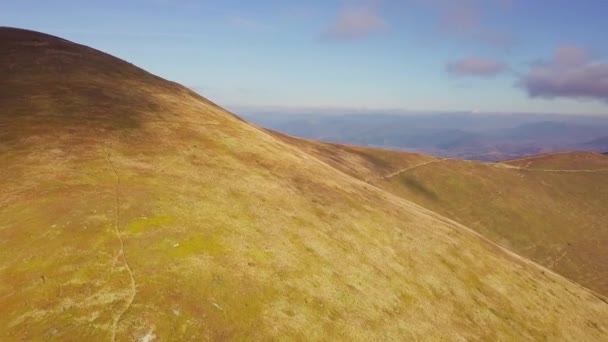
(142, 224)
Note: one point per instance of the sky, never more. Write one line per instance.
(547, 56)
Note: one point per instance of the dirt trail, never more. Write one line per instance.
(393, 174)
(555, 170)
(505, 164)
(122, 248)
(533, 157)
(498, 165)
(411, 167)
(508, 166)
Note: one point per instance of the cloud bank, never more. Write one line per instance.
(354, 23)
(465, 18)
(475, 66)
(245, 23)
(570, 74)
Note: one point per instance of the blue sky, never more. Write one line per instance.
(412, 55)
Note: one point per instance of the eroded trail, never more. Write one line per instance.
(533, 157)
(393, 174)
(513, 167)
(506, 164)
(121, 253)
(565, 171)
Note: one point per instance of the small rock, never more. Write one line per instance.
(149, 337)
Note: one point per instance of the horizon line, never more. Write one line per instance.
(257, 109)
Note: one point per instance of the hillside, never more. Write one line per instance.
(364, 163)
(132, 208)
(550, 208)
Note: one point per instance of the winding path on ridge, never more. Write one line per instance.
(505, 164)
(497, 165)
(393, 174)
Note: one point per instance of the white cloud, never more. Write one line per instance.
(353, 23)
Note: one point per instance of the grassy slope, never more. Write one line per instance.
(563, 161)
(228, 232)
(364, 163)
(550, 208)
(556, 218)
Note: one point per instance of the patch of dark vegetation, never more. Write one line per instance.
(53, 79)
(416, 186)
(375, 160)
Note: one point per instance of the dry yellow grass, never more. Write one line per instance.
(550, 208)
(225, 231)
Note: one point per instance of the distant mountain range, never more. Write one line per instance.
(599, 144)
(487, 137)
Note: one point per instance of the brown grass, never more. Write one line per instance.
(550, 208)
